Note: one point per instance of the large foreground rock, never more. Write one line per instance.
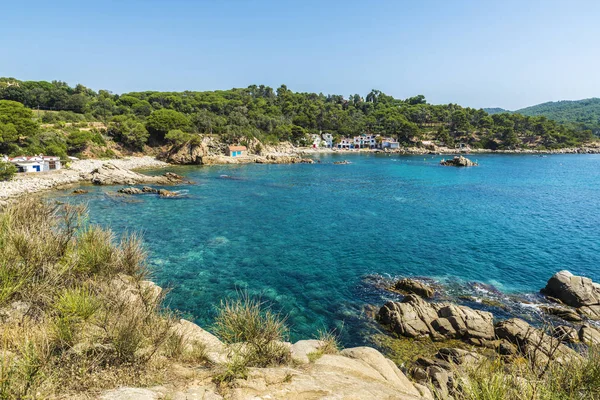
(111, 174)
(575, 291)
(534, 343)
(415, 317)
(357, 373)
(216, 351)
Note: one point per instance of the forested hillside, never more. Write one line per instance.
(54, 118)
(584, 114)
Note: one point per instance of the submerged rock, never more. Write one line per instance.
(130, 190)
(415, 318)
(80, 191)
(167, 193)
(458, 161)
(148, 189)
(287, 159)
(411, 286)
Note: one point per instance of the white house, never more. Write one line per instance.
(364, 141)
(328, 139)
(346, 143)
(36, 163)
(389, 143)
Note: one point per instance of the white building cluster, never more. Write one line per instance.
(39, 163)
(364, 141)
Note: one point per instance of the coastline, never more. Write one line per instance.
(78, 172)
(444, 334)
(449, 151)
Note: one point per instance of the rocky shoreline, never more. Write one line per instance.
(118, 171)
(561, 340)
(210, 152)
(363, 372)
(435, 150)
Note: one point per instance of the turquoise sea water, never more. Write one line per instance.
(308, 237)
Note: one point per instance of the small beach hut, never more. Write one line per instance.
(236, 151)
(36, 163)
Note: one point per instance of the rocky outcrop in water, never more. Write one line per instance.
(274, 159)
(458, 161)
(150, 190)
(130, 190)
(407, 285)
(111, 174)
(415, 318)
(575, 291)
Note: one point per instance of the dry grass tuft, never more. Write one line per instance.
(77, 314)
(497, 379)
(256, 335)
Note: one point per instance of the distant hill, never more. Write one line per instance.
(584, 113)
(496, 110)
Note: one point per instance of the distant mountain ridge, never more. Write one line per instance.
(580, 113)
(496, 110)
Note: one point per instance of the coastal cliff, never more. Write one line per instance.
(210, 150)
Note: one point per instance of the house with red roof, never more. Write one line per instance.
(38, 163)
(236, 151)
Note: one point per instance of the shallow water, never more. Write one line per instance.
(309, 237)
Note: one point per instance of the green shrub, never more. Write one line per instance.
(178, 138)
(77, 303)
(7, 171)
(235, 368)
(79, 140)
(95, 252)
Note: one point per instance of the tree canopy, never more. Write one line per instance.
(271, 115)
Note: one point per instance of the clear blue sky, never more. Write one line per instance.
(482, 53)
